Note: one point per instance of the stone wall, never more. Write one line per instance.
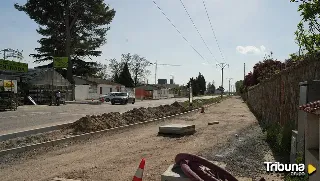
(272, 102)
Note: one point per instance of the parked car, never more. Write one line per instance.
(108, 97)
(120, 97)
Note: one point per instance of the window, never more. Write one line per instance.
(93, 89)
(100, 90)
(111, 89)
(121, 94)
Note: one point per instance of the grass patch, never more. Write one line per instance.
(197, 103)
(279, 139)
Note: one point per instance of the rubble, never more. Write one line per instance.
(115, 119)
(92, 123)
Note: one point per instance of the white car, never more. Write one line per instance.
(119, 97)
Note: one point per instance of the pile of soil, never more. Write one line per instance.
(97, 122)
(115, 119)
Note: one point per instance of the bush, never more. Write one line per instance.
(279, 138)
(288, 177)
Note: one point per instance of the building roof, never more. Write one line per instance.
(93, 80)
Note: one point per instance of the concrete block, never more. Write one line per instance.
(178, 129)
(214, 122)
(293, 152)
(174, 173)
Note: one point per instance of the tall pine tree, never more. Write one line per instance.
(69, 28)
(125, 77)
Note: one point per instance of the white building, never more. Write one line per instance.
(87, 88)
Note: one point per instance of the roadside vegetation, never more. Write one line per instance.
(308, 39)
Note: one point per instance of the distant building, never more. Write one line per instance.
(218, 91)
(171, 81)
(92, 88)
(162, 81)
(152, 92)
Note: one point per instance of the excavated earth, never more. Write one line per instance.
(104, 121)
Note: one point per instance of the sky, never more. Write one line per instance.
(245, 31)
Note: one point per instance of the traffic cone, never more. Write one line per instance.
(139, 172)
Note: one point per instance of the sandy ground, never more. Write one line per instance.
(117, 156)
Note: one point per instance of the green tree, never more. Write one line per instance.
(211, 88)
(136, 63)
(115, 69)
(138, 69)
(70, 28)
(102, 71)
(82, 68)
(201, 84)
(239, 87)
(198, 85)
(192, 81)
(308, 30)
(125, 77)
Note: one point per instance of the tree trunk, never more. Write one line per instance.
(68, 48)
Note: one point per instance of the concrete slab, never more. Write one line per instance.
(177, 129)
(174, 173)
(214, 122)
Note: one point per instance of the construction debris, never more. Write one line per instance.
(177, 129)
(115, 119)
(92, 123)
(214, 122)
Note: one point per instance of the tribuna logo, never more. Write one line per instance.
(293, 169)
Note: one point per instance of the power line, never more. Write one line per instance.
(205, 7)
(198, 30)
(178, 31)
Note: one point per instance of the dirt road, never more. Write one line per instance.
(116, 157)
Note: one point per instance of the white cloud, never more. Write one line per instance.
(251, 50)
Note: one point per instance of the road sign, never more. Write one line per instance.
(8, 83)
(13, 66)
(60, 62)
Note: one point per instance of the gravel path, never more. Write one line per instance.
(117, 156)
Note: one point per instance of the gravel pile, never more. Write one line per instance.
(244, 154)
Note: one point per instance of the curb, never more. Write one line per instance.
(85, 102)
(32, 131)
(87, 135)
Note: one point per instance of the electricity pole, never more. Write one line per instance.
(244, 70)
(229, 84)
(155, 73)
(222, 66)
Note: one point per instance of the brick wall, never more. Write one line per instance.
(272, 102)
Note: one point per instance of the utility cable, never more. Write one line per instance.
(179, 31)
(205, 7)
(194, 25)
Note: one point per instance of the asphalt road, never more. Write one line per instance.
(32, 117)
